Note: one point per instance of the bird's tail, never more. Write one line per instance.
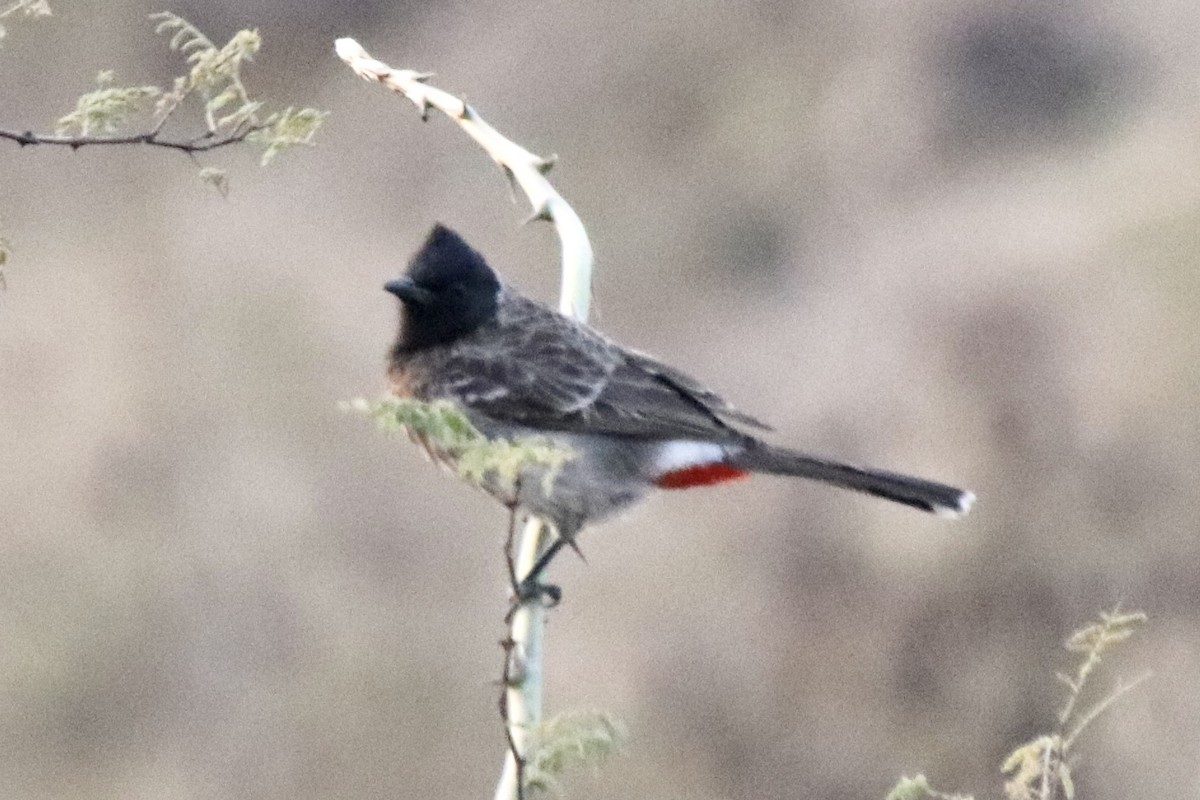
(937, 498)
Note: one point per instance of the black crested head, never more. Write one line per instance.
(447, 291)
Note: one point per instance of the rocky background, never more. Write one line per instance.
(949, 237)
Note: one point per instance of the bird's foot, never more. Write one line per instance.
(531, 590)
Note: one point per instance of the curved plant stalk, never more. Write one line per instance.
(525, 169)
(521, 704)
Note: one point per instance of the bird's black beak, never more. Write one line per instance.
(409, 292)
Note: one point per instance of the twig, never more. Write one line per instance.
(1102, 706)
(511, 676)
(510, 559)
(1047, 754)
(192, 146)
(521, 705)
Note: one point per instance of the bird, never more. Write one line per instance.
(518, 368)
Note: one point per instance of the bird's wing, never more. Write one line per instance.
(691, 389)
(534, 367)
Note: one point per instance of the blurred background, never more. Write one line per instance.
(948, 237)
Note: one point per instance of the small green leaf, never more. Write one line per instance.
(217, 178)
(35, 8)
(1068, 784)
(221, 100)
(244, 115)
(107, 108)
(915, 788)
(184, 35)
(287, 129)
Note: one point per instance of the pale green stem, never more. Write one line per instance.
(527, 632)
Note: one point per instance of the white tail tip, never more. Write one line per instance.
(965, 501)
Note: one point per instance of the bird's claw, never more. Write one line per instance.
(531, 590)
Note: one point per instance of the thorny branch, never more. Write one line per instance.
(511, 677)
(214, 75)
(508, 678)
(521, 700)
(201, 144)
(510, 556)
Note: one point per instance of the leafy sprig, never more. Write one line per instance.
(230, 114)
(569, 740)
(106, 109)
(1041, 769)
(443, 427)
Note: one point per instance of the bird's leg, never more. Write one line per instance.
(510, 560)
(531, 587)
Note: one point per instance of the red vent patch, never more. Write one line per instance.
(699, 475)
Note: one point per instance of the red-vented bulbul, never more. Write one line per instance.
(519, 368)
